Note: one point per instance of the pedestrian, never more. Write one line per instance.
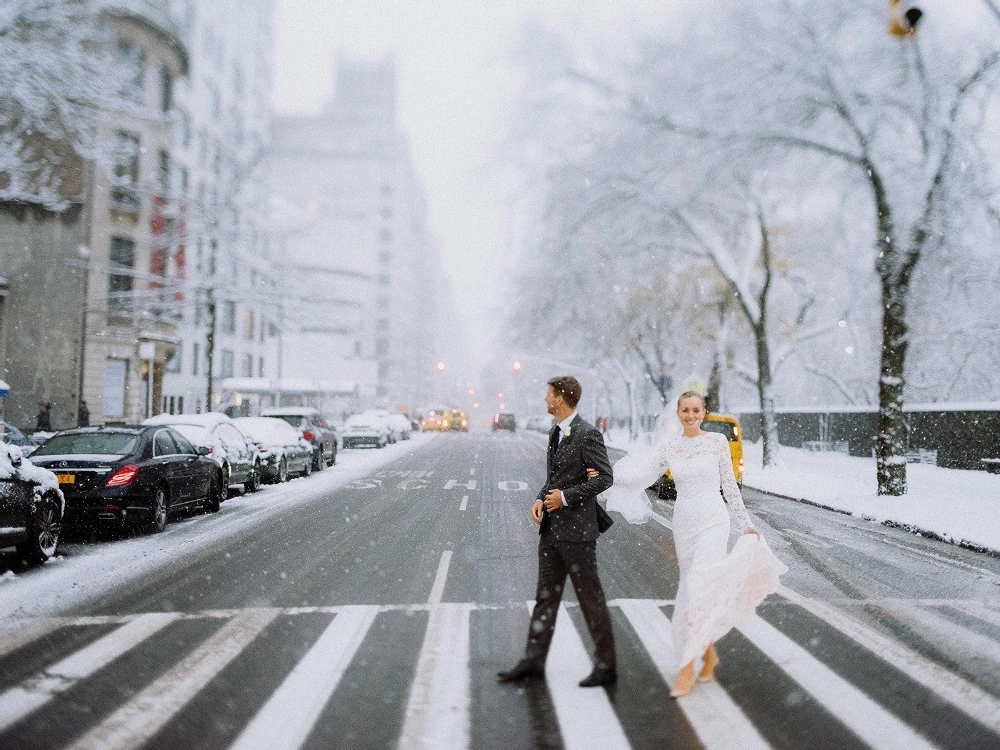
(43, 422)
(567, 514)
(83, 415)
(717, 590)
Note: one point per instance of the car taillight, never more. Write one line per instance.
(211, 449)
(123, 476)
(308, 435)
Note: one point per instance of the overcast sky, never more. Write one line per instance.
(454, 86)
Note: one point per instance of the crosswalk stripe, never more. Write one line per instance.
(437, 713)
(36, 691)
(715, 718)
(950, 687)
(862, 715)
(288, 716)
(587, 720)
(142, 717)
(25, 635)
(978, 610)
(437, 588)
(943, 630)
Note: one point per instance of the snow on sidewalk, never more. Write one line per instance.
(959, 506)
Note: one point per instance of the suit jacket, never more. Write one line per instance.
(566, 466)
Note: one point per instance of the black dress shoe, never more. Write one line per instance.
(600, 677)
(523, 670)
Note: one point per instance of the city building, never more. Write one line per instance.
(361, 241)
(85, 312)
(230, 312)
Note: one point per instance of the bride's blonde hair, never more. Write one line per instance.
(691, 394)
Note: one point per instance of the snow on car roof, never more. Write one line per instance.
(294, 411)
(209, 419)
(267, 429)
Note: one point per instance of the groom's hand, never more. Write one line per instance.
(536, 512)
(553, 500)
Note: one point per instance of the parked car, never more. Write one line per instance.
(13, 436)
(136, 476)
(31, 506)
(282, 450)
(504, 420)
(724, 424)
(400, 426)
(314, 428)
(233, 451)
(365, 429)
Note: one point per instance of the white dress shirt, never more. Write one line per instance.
(563, 428)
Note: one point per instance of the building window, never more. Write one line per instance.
(115, 387)
(166, 88)
(125, 172)
(249, 324)
(260, 367)
(132, 60)
(247, 369)
(194, 358)
(385, 212)
(357, 348)
(174, 363)
(163, 172)
(213, 252)
(382, 347)
(384, 256)
(385, 235)
(382, 324)
(226, 363)
(229, 317)
(122, 258)
(383, 279)
(180, 404)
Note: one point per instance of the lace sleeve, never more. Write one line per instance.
(730, 489)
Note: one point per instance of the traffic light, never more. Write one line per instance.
(903, 18)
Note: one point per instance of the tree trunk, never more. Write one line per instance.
(210, 351)
(891, 440)
(765, 392)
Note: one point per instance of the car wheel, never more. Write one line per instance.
(213, 500)
(318, 461)
(283, 470)
(254, 480)
(333, 458)
(307, 467)
(43, 533)
(227, 475)
(158, 511)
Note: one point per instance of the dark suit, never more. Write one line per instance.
(567, 542)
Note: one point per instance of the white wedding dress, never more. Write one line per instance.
(717, 590)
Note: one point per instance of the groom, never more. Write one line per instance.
(566, 512)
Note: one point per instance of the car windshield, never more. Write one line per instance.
(195, 433)
(295, 420)
(89, 443)
(723, 428)
(359, 422)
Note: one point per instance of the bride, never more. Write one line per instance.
(717, 590)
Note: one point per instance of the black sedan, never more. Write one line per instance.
(31, 507)
(133, 476)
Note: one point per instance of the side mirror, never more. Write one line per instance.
(203, 450)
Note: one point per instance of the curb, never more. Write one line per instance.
(972, 546)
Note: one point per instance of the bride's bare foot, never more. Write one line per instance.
(685, 681)
(711, 663)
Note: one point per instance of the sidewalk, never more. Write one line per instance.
(961, 507)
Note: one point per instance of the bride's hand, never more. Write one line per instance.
(752, 530)
(592, 473)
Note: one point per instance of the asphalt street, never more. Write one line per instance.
(376, 613)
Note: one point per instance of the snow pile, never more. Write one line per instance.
(957, 505)
(27, 470)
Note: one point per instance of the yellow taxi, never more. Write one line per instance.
(445, 421)
(724, 424)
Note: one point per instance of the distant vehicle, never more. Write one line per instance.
(381, 417)
(313, 427)
(130, 475)
(400, 426)
(504, 420)
(282, 450)
(724, 424)
(365, 429)
(435, 421)
(233, 451)
(31, 506)
(539, 424)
